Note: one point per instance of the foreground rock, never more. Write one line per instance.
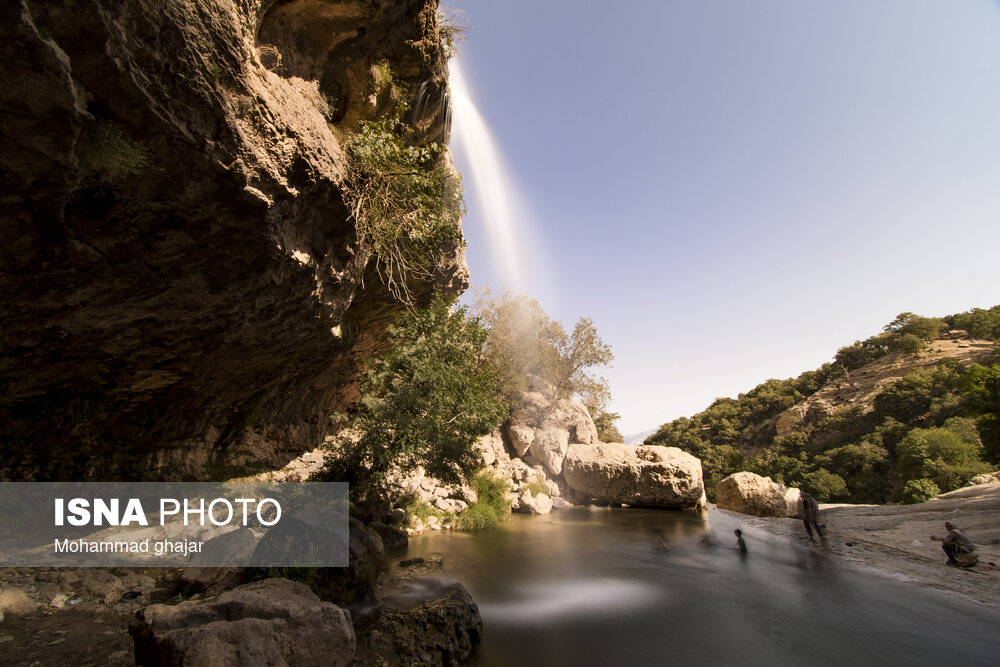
(646, 475)
(271, 622)
(422, 618)
(748, 493)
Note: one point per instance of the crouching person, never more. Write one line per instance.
(957, 546)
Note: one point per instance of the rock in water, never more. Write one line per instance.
(647, 475)
(271, 622)
(442, 630)
(747, 493)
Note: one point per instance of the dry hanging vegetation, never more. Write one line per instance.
(406, 201)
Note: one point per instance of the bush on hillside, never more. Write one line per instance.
(919, 491)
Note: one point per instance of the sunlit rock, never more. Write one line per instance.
(646, 475)
(747, 493)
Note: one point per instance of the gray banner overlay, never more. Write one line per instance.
(173, 524)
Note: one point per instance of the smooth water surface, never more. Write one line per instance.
(594, 586)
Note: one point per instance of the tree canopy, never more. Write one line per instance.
(426, 402)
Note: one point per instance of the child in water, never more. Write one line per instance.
(741, 544)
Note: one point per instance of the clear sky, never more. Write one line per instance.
(734, 189)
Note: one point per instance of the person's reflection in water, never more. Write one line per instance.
(660, 541)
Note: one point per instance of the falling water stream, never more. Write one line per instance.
(494, 187)
(594, 586)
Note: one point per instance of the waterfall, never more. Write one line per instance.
(495, 190)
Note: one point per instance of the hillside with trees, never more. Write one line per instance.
(901, 416)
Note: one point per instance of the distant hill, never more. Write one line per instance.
(637, 438)
(902, 415)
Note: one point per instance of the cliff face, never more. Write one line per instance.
(183, 293)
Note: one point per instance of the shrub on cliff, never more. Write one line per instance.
(406, 201)
(425, 402)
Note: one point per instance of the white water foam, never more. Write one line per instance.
(572, 599)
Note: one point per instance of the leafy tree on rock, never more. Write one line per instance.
(425, 402)
(526, 345)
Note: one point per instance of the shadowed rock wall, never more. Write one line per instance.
(182, 295)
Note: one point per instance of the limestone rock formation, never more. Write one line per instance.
(184, 290)
(747, 493)
(555, 444)
(564, 420)
(526, 503)
(271, 622)
(645, 475)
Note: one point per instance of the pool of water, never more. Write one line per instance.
(598, 586)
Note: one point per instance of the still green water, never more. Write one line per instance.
(593, 586)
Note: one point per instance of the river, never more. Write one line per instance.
(598, 586)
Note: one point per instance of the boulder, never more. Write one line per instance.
(270, 622)
(392, 538)
(529, 504)
(491, 449)
(987, 478)
(14, 601)
(521, 437)
(549, 449)
(442, 630)
(233, 548)
(92, 584)
(747, 493)
(792, 497)
(540, 428)
(645, 475)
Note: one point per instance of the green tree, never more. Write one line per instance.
(424, 402)
(980, 388)
(921, 327)
(526, 347)
(919, 491)
(948, 455)
(824, 485)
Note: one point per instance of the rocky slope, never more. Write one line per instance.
(860, 387)
(852, 430)
(183, 290)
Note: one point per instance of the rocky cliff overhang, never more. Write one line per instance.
(182, 294)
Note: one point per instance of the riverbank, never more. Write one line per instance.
(895, 539)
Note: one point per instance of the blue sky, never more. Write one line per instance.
(734, 189)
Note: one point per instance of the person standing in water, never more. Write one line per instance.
(741, 544)
(809, 511)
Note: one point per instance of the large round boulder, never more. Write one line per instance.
(747, 493)
(646, 475)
